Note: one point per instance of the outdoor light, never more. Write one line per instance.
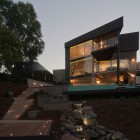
(34, 83)
(79, 128)
(44, 126)
(41, 85)
(85, 121)
(11, 134)
(40, 133)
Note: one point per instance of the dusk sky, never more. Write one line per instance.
(63, 20)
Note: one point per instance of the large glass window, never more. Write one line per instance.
(114, 65)
(73, 53)
(81, 50)
(124, 64)
(88, 66)
(88, 48)
(105, 41)
(81, 67)
(81, 81)
(104, 65)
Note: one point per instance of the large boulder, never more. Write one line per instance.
(77, 115)
(118, 136)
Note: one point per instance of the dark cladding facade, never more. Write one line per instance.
(32, 70)
(102, 55)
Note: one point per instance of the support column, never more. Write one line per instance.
(92, 62)
(118, 58)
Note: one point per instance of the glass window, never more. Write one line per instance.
(124, 64)
(80, 68)
(96, 66)
(73, 53)
(88, 66)
(114, 64)
(80, 50)
(81, 81)
(73, 69)
(104, 65)
(88, 48)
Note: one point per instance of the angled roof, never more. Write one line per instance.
(107, 28)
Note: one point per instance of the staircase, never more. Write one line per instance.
(20, 105)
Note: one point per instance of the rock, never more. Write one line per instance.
(111, 131)
(69, 126)
(86, 109)
(101, 138)
(69, 137)
(118, 136)
(108, 136)
(62, 129)
(88, 134)
(90, 122)
(77, 115)
(125, 139)
(90, 115)
(101, 130)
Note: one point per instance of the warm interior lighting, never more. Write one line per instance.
(98, 81)
(121, 78)
(11, 134)
(40, 133)
(132, 75)
(133, 60)
(101, 42)
(44, 126)
(34, 83)
(41, 85)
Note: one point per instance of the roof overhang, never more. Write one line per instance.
(112, 26)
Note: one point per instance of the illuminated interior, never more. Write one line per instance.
(81, 67)
(81, 50)
(105, 41)
(84, 70)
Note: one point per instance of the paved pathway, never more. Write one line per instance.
(20, 105)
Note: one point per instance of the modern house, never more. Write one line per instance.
(103, 56)
(32, 70)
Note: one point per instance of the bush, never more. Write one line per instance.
(9, 94)
(40, 92)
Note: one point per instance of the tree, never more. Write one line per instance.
(9, 49)
(21, 19)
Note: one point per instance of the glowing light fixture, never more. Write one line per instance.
(34, 83)
(11, 134)
(98, 81)
(40, 133)
(132, 75)
(133, 60)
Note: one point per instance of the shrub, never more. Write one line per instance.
(9, 94)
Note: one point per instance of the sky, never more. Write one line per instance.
(63, 20)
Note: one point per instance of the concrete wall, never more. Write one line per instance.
(59, 76)
(34, 83)
(51, 103)
(55, 90)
